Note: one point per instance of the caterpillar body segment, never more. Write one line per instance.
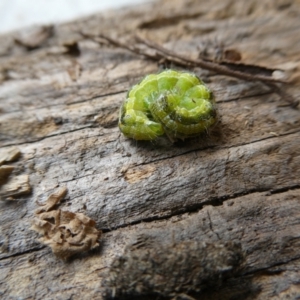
(174, 103)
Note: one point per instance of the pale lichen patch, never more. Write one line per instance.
(137, 174)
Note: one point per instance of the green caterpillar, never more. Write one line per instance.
(174, 103)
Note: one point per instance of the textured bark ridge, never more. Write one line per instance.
(171, 270)
(60, 93)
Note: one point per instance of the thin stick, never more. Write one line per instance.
(212, 66)
(171, 56)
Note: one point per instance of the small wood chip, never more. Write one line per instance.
(5, 171)
(9, 155)
(15, 187)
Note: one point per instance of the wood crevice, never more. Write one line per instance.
(195, 208)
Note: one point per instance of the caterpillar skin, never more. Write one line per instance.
(174, 103)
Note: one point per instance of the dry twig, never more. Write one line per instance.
(159, 52)
(211, 66)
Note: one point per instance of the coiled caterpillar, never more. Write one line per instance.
(174, 103)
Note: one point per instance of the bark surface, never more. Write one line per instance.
(60, 95)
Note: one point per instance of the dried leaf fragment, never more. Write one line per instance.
(15, 186)
(67, 233)
(52, 200)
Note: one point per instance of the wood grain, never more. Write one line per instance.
(240, 184)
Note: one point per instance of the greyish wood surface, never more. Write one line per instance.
(242, 184)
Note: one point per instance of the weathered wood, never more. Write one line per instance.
(60, 109)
